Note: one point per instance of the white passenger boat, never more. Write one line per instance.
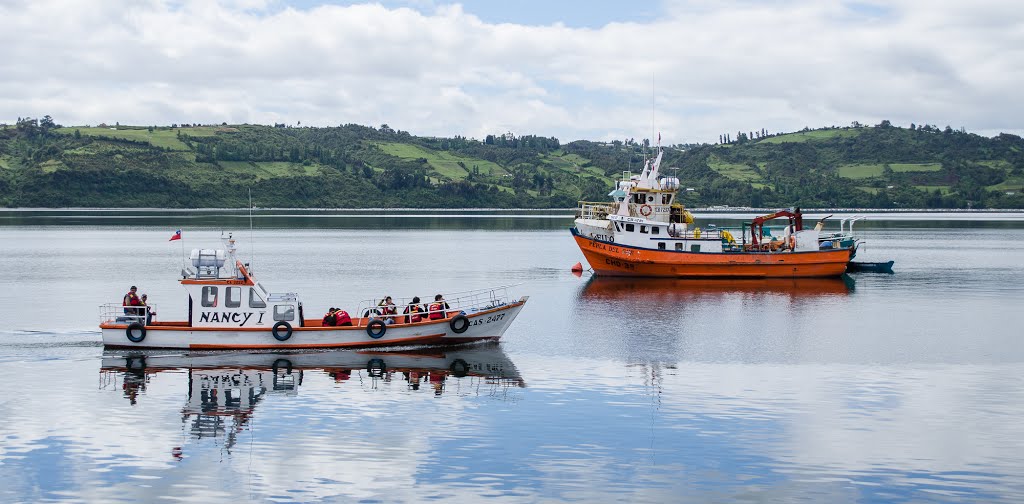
(229, 309)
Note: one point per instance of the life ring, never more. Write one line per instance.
(132, 328)
(277, 327)
(380, 326)
(376, 367)
(646, 210)
(459, 368)
(459, 324)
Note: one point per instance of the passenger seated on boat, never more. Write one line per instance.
(436, 310)
(387, 309)
(413, 311)
(342, 318)
(330, 319)
(149, 312)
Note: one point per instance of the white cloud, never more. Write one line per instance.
(715, 68)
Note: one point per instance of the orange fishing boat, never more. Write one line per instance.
(644, 232)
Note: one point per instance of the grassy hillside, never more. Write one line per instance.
(42, 164)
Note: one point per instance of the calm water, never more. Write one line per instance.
(904, 387)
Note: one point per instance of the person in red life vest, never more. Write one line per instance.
(436, 310)
(342, 318)
(131, 299)
(414, 311)
(437, 382)
(330, 319)
(387, 309)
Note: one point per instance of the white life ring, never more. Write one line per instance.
(645, 210)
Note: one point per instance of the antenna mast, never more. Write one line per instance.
(252, 241)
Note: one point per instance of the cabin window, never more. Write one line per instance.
(654, 230)
(661, 245)
(679, 247)
(284, 312)
(643, 229)
(665, 198)
(650, 199)
(630, 228)
(209, 298)
(695, 247)
(255, 301)
(233, 297)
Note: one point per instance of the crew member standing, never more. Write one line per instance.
(131, 299)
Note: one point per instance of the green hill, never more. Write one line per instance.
(45, 165)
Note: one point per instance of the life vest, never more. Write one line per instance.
(330, 319)
(342, 317)
(131, 299)
(414, 313)
(436, 311)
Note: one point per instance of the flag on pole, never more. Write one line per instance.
(176, 236)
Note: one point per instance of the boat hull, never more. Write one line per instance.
(483, 325)
(614, 259)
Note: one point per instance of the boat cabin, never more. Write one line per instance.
(223, 293)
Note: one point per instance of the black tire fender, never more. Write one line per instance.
(376, 367)
(132, 328)
(459, 368)
(459, 324)
(277, 328)
(279, 363)
(376, 328)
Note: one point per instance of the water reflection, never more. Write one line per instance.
(224, 389)
(672, 289)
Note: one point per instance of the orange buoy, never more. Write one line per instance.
(577, 268)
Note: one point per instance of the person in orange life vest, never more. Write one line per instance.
(436, 310)
(387, 309)
(413, 311)
(330, 319)
(342, 318)
(131, 299)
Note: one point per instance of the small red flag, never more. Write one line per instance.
(177, 235)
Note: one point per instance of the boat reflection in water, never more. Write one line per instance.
(225, 388)
(602, 287)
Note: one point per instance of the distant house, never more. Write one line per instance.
(690, 189)
(1010, 193)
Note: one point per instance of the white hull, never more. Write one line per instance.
(484, 325)
(474, 360)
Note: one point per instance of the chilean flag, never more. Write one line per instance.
(177, 235)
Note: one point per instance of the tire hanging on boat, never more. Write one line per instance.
(278, 364)
(376, 367)
(132, 328)
(376, 328)
(459, 324)
(277, 328)
(459, 368)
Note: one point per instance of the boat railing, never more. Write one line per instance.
(115, 313)
(468, 301)
(597, 211)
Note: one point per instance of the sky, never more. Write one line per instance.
(598, 70)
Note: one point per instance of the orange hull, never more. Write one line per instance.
(612, 259)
